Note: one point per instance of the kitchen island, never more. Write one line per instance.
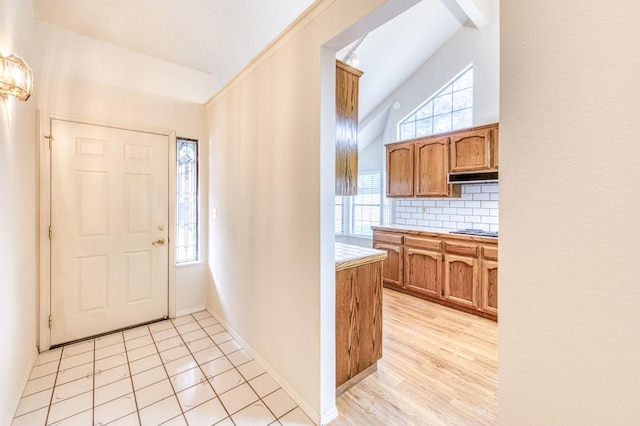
(358, 313)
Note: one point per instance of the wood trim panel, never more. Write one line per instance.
(358, 320)
(388, 238)
(461, 249)
(425, 243)
(490, 253)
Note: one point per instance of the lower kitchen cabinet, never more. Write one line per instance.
(489, 295)
(423, 272)
(461, 280)
(392, 272)
(457, 271)
(489, 280)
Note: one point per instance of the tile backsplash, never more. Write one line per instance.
(477, 209)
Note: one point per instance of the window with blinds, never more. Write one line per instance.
(364, 210)
(366, 206)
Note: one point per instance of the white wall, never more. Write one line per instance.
(17, 215)
(271, 133)
(67, 84)
(570, 201)
(369, 159)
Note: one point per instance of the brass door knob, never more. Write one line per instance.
(159, 242)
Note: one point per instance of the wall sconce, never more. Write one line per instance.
(16, 78)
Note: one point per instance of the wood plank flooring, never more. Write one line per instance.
(439, 367)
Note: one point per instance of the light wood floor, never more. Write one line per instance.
(439, 367)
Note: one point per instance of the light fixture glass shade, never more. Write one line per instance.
(16, 78)
(353, 59)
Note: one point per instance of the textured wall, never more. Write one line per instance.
(569, 202)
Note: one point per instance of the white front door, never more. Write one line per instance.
(109, 229)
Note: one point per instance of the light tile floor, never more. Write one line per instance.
(186, 371)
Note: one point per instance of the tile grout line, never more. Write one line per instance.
(53, 389)
(170, 321)
(200, 368)
(93, 386)
(133, 390)
(245, 381)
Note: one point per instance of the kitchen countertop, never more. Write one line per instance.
(350, 256)
(436, 232)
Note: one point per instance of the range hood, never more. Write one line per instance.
(472, 177)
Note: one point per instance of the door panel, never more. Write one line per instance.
(109, 205)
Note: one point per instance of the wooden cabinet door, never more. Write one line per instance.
(489, 287)
(400, 170)
(471, 151)
(461, 280)
(393, 265)
(423, 272)
(431, 165)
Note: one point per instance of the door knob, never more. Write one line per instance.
(159, 242)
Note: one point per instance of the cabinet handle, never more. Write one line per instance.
(489, 151)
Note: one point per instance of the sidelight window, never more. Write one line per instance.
(187, 200)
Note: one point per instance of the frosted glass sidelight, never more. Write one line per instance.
(187, 199)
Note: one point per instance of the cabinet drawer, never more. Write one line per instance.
(462, 249)
(388, 238)
(490, 252)
(425, 243)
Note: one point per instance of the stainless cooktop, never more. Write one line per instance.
(477, 232)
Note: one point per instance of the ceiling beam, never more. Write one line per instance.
(470, 13)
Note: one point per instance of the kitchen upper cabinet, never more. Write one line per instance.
(393, 267)
(431, 167)
(419, 168)
(347, 83)
(400, 163)
(474, 150)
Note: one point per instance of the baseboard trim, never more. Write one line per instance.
(304, 406)
(189, 311)
(329, 416)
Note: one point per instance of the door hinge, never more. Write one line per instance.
(50, 321)
(50, 232)
(50, 137)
